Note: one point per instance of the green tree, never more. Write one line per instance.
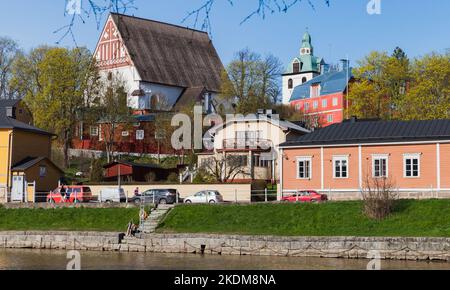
(429, 95)
(369, 94)
(54, 82)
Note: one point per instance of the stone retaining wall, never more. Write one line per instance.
(83, 241)
(325, 247)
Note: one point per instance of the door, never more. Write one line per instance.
(18, 188)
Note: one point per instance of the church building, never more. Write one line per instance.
(161, 64)
(302, 69)
(312, 87)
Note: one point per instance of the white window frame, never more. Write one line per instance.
(94, 129)
(316, 105)
(330, 118)
(412, 156)
(324, 103)
(306, 107)
(341, 158)
(310, 171)
(140, 135)
(335, 102)
(380, 157)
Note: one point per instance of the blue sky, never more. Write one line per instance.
(345, 28)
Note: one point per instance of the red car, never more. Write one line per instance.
(70, 194)
(306, 196)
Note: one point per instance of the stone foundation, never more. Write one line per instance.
(325, 247)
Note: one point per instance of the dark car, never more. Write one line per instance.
(157, 196)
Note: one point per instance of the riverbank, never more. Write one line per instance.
(67, 219)
(413, 249)
(411, 218)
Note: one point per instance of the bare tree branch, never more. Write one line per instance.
(88, 9)
(202, 14)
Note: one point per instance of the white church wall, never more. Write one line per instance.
(297, 80)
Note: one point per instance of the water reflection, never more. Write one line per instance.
(56, 260)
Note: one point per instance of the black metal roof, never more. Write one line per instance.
(10, 123)
(366, 132)
(30, 162)
(4, 103)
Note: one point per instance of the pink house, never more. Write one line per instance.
(338, 159)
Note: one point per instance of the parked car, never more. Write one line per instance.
(70, 194)
(112, 194)
(306, 196)
(206, 196)
(157, 196)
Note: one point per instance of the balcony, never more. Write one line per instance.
(247, 145)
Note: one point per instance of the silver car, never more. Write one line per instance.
(206, 196)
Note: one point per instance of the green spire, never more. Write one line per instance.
(306, 43)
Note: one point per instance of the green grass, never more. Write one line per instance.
(430, 218)
(67, 219)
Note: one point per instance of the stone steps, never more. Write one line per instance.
(155, 217)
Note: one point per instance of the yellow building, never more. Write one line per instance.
(25, 157)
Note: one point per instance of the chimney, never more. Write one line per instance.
(345, 63)
(10, 112)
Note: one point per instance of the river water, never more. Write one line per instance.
(57, 260)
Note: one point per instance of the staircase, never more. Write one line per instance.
(156, 215)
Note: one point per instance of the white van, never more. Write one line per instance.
(112, 194)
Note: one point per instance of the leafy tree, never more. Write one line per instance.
(429, 95)
(54, 82)
(369, 94)
(396, 88)
(9, 51)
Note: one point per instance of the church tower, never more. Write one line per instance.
(302, 69)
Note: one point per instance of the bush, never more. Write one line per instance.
(203, 177)
(173, 177)
(96, 174)
(150, 177)
(379, 198)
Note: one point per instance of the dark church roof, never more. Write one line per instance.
(367, 132)
(169, 54)
(190, 97)
(8, 103)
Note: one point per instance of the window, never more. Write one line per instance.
(304, 80)
(42, 171)
(315, 91)
(298, 107)
(290, 84)
(304, 167)
(296, 67)
(411, 165)
(94, 131)
(335, 102)
(324, 104)
(238, 160)
(340, 167)
(259, 162)
(380, 166)
(306, 107)
(316, 105)
(140, 134)
(330, 118)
